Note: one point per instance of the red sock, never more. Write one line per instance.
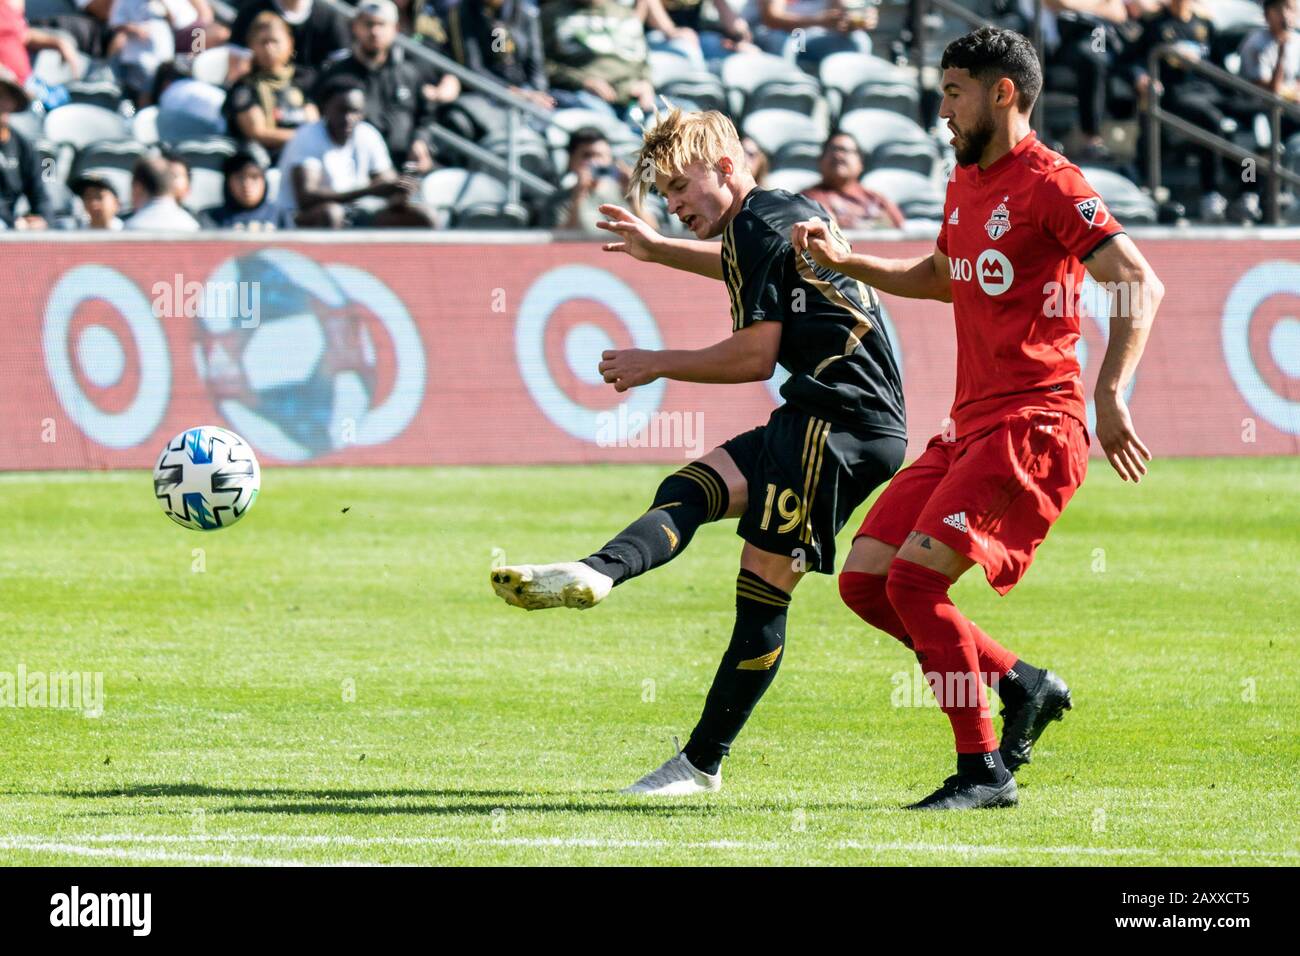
(865, 595)
(945, 644)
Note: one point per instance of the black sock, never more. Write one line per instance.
(685, 500)
(747, 668)
(987, 768)
(1018, 683)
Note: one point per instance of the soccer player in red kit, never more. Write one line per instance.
(1021, 224)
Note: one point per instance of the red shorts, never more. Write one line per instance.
(991, 496)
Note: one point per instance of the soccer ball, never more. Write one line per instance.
(206, 478)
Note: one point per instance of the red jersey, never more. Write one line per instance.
(1015, 235)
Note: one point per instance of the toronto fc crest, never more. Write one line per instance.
(999, 222)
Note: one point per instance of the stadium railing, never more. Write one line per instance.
(1270, 162)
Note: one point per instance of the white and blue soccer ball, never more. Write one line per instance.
(206, 478)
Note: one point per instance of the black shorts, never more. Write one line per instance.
(806, 477)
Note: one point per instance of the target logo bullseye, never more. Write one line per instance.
(567, 318)
(107, 356)
(1261, 342)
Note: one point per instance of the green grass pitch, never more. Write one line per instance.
(333, 681)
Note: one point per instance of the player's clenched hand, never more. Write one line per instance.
(812, 236)
(628, 368)
(635, 236)
(1124, 450)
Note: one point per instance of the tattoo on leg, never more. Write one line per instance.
(922, 539)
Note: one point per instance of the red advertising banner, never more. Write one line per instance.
(401, 352)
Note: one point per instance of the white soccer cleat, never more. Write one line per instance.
(677, 777)
(535, 586)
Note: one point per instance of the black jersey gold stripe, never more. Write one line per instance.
(811, 469)
(817, 476)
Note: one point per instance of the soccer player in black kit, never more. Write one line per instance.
(792, 482)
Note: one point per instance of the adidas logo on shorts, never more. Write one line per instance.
(957, 521)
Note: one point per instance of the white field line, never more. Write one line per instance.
(143, 855)
(16, 841)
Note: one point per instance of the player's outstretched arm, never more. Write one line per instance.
(926, 277)
(1135, 295)
(748, 356)
(634, 236)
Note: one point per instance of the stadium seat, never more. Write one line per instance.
(702, 91)
(80, 124)
(105, 93)
(666, 66)
(757, 81)
(792, 180)
(207, 189)
(845, 72)
(273, 184)
(208, 153)
(119, 154)
(798, 155)
(913, 193)
(773, 129)
(144, 126)
(213, 65)
(490, 215)
(534, 157)
(889, 139)
(450, 190)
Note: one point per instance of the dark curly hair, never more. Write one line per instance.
(990, 54)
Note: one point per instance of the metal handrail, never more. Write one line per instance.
(516, 106)
(1156, 116)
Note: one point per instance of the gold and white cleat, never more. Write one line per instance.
(536, 586)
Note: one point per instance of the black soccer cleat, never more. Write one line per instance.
(1023, 724)
(964, 793)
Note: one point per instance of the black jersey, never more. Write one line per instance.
(833, 342)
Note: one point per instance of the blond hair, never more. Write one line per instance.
(679, 138)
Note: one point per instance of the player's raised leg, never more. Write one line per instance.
(748, 667)
(706, 490)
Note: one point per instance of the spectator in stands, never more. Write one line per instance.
(1270, 56)
(100, 201)
(318, 31)
(142, 42)
(731, 32)
(851, 204)
(1083, 35)
(153, 195)
(597, 56)
(593, 178)
(268, 105)
(757, 159)
(336, 172)
(18, 40)
(841, 24)
(429, 22)
(20, 163)
(402, 95)
(179, 94)
(503, 38)
(86, 22)
(247, 203)
(1185, 93)
(195, 27)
